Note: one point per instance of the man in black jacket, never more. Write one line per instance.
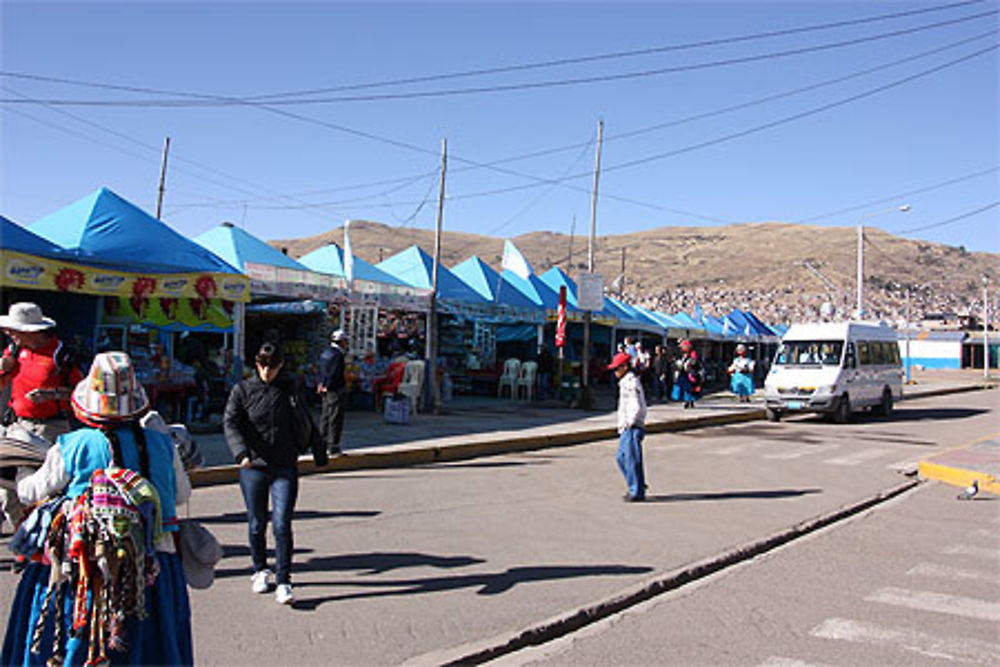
(260, 432)
(331, 388)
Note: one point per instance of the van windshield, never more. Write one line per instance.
(809, 353)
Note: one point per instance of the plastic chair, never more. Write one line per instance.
(526, 380)
(412, 385)
(388, 384)
(511, 371)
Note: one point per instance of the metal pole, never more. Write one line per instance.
(908, 326)
(432, 330)
(585, 389)
(163, 178)
(986, 326)
(861, 271)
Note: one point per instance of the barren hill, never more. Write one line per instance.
(781, 271)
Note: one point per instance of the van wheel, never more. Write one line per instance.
(842, 414)
(884, 408)
(772, 415)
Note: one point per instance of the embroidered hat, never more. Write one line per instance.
(26, 316)
(619, 359)
(110, 394)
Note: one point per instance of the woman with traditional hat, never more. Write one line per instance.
(689, 377)
(155, 630)
(741, 371)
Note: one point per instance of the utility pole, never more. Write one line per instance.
(585, 389)
(572, 231)
(908, 327)
(621, 285)
(986, 328)
(861, 271)
(432, 324)
(163, 178)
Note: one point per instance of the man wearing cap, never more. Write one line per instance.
(41, 375)
(331, 389)
(631, 426)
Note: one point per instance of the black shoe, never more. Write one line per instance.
(333, 451)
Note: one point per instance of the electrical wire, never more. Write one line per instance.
(195, 100)
(949, 221)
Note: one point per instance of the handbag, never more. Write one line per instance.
(199, 550)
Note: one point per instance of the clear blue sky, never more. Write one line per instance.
(852, 130)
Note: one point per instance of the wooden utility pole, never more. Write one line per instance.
(163, 178)
(585, 389)
(432, 325)
(621, 279)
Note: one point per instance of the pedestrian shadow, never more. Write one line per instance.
(238, 550)
(446, 465)
(382, 562)
(300, 515)
(767, 494)
(756, 430)
(485, 584)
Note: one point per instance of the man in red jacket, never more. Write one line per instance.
(41, 374)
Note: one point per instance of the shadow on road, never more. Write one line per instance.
(732, 495)
(935, 414)
(487, 584)
(300, 515)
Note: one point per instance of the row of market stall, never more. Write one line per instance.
(188, 310)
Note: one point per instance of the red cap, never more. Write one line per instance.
(619, 359)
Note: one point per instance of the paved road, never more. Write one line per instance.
(913, 582)
(429, 563)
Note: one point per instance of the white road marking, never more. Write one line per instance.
(949, 572)
(978, 552)
(857, 457)
(777, 661)
(737, 449)
(937, 602)
(799, 452)
(964, 650)
(904, 465)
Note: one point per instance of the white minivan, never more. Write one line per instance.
(835, 368)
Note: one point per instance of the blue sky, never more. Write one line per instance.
(852, 131)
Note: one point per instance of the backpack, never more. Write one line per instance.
(101, 549)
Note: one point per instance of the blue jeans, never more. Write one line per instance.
(630, 460)
(283, 486)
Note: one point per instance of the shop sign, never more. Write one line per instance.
(590, 291)
(28, 271)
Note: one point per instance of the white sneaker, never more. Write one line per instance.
(260, 581)
(284, 594)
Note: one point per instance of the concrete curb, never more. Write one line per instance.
(553, 628)
(959, 476)
(406, 457)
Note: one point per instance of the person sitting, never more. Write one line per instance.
(388, 384)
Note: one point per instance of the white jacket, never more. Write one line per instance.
(631, 403)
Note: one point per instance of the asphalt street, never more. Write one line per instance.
(433, 563)
(915, 581)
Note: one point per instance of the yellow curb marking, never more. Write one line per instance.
(958, 476)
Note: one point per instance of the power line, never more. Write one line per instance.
(949, 221)
(201, 100)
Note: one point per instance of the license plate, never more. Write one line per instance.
(794, 405)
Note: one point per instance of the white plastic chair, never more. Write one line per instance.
(526, 380)
(511, 371)
(412, 385)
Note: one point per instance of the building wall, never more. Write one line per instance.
(933, 353)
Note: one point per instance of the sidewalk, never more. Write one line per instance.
(471, 427)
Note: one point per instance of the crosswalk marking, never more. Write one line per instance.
(949, 572)
(964, 650)
(798, 452)
(857, 457)
(937, 602)
(777, 661)
(978, 552)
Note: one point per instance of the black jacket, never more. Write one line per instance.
(258, 422)
(331, 368)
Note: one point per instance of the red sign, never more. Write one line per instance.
(561, 319)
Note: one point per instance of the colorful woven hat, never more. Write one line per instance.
(110, 394)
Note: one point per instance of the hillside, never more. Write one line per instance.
(760, 266)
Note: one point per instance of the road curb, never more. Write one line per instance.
(553, 628)
(405, 457)
(959, 476)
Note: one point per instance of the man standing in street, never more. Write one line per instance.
(41, 373)
(331, 390)
(631, 426)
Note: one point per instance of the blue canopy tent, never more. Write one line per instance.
(747, 327)
(106, 230)
(415, 267)
(671, 327)
(15, 238)
(239, 248)
(330, 259)
(630, 318)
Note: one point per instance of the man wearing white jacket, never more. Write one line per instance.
(631, 426)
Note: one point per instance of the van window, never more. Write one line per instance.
(878, 353)
(809, 353)
(864, 353)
